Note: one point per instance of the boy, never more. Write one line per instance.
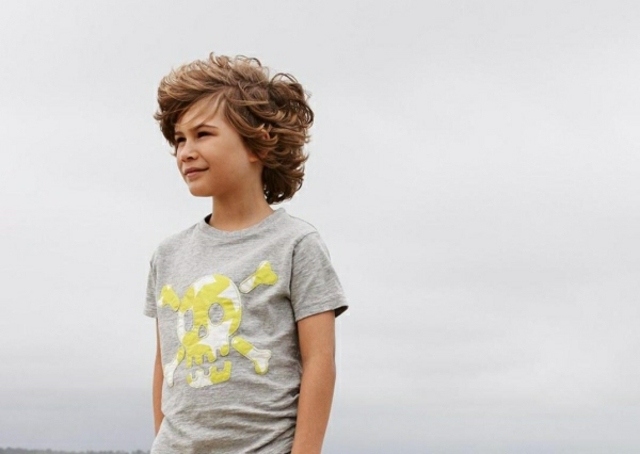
(246, 298)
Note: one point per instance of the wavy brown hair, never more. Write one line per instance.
(252, 102)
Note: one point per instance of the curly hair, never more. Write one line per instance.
(253, 103)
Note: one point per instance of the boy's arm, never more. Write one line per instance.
(158, 377)
(316, 336)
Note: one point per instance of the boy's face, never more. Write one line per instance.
(204, 140)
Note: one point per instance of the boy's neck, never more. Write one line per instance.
(237, 216)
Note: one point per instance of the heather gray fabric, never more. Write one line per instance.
(226, 304)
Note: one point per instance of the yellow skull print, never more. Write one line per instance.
(206, 339)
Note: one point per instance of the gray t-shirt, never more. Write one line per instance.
(227, 304)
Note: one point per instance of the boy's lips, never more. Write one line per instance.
(191, 170)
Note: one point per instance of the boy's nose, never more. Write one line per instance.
(187, 150)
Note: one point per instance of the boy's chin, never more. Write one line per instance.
(196, 192)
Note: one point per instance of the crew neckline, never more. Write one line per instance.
(203, 226)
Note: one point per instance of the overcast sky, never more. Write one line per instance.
(474, 171)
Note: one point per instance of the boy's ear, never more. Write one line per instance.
(253, 157)
(260, 155)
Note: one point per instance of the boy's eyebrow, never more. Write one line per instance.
(197, 126)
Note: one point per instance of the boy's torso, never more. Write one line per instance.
(228, 339)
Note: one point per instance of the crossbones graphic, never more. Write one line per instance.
(206, 338)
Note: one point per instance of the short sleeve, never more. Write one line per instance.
(315, 286)
(150, 307)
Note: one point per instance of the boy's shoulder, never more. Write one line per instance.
(169, 242)
(298, 227)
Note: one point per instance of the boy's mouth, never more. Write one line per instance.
(192, 170)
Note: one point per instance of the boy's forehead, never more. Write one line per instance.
(201, 111)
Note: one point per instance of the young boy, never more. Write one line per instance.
(246, 298)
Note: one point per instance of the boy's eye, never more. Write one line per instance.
(201, 133)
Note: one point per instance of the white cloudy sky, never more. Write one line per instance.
(474, 171)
